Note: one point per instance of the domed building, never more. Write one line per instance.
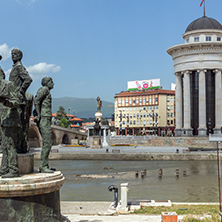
(197, 66)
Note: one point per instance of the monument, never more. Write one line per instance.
(25, 196)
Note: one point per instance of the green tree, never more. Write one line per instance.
(61, 113)
(64, 122)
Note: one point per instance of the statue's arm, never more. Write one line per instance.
(27, 80)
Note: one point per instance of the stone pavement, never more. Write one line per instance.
(98, 212)
(119, 218)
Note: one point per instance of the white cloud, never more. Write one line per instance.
(42, 69)
(5, 51)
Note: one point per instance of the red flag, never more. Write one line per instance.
(201, 3)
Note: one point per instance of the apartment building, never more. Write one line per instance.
(145, 112)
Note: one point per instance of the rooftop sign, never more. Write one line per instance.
(143, 84)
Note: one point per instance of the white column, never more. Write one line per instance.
(187, 125)
(186, 100)
(179, 101)
(202, 130)
(218, 102)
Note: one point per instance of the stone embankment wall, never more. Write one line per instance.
(132, 156)
(189, 142)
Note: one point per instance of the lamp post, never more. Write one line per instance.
(127, 123)
(120, 122)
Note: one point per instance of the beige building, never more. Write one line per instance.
(145, 112)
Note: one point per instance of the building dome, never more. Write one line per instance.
(204, 23)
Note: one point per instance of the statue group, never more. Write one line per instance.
(15, 111)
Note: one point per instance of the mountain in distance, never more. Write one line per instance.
(82, 107)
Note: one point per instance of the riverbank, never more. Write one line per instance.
(130, 156)
(135, 153)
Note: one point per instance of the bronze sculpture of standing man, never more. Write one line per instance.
(22, 80)
(43, 118)
(99, 103)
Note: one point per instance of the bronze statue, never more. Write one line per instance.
(2, 76)
(43, 117)
(99, 103)
(11, 124)
(97, 127)
(22, 80)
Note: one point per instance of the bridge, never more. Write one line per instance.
(60, 135)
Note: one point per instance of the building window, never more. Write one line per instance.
(134, 101)
(138, 115)
(137, 101)
(168, 115)
(156, 107)
(147, 100)
(218, 39)
(156, 99)
(171, 114)
(134, 122)
(187, 40)
(123, 122)
(208, 38)
(130, 122)
(127, 102)
(172, 122)
(196, 39)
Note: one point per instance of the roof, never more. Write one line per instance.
(204, 23)
(77, 119)
(145, 92)
(75, 126)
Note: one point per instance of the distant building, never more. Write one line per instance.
(198, 66)
(145, 112)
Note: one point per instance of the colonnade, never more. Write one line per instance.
(183, 103)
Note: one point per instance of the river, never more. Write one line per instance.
(199, 185)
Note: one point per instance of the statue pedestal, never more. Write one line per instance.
(98, 115)
(96, 142)
(31, 197)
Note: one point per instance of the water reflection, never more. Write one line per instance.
(199, 185)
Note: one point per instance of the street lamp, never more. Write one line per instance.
(120, 122)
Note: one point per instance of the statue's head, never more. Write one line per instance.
(16, 55)
(47, 81)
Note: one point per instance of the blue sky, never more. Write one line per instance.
(93, 47)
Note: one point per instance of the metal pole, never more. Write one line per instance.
(218, 170)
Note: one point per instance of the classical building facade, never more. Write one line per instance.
(145, 112)
(197, 66)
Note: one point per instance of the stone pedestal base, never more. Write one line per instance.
(178, 132)
(217, 131)
(187, 132)
(96, 142)
(202, 132)
(25, 163)
(32, 197)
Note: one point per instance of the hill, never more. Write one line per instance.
(83, 108)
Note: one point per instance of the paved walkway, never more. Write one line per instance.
(119, 218)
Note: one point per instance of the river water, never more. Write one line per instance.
(199, 185)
